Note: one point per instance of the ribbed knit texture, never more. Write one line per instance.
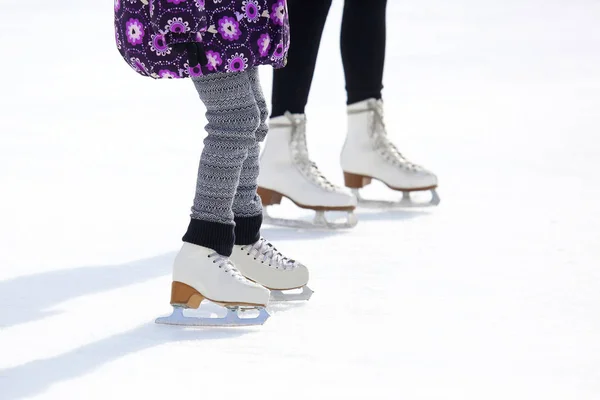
(228, 171)
(247, 229)
(214, 235)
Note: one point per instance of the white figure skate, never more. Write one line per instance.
(201, 274)
(369, 154)
(287, 171)
(264, 264)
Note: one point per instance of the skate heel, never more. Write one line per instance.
(356, 181)
(269, 197)
(185, 296)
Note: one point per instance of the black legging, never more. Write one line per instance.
(362, 45)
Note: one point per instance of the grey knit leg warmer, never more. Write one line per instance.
(263, 128)
(233, 119)
(246, 202)
(247, 206)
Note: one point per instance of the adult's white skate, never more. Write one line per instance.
(264, 264)
(287, 171)
(199, 273)
(369, 154)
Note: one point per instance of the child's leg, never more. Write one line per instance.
(247, 206)
(233, 118)
(256, 258)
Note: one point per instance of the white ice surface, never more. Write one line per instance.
(493, 295)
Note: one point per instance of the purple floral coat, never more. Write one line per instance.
(235, 34)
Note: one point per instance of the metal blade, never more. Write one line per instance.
(232, 318)
(281, 295)
(405, 202)
(319, 222)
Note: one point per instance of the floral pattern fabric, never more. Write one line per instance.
(235, 34)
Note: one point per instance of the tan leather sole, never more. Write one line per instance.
(270, 197)
(355, 181)
(186, 296)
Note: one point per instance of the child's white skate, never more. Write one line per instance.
(201, 274)
(287, 171)
(369, 154)
(264, 264)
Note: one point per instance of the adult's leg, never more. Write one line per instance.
(363, 48)
(291, 85)
(233, 118)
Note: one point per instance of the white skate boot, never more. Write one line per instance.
(262, 263)
(287, 171)
(369, 154)
(200, 273)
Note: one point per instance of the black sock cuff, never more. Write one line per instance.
(247, 229)
(214, 235)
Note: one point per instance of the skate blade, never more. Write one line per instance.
(405, 202)
(232, 318)
(284, 295)
(319, 222)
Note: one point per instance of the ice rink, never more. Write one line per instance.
(493, 295)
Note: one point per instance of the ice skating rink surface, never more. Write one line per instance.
(495, 294)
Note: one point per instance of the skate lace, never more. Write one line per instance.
(299, 150)
(380, 140)
(269, 254)
(226, 265)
